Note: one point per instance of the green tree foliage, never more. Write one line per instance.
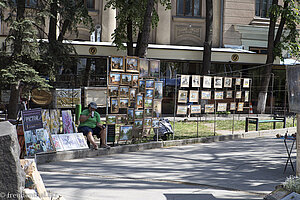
(131, 18)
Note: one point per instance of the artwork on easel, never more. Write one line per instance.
(218, 82)
(206, 95)
(196, 81)
(195, 109)
(117, 64)
(232, 106)
(218, 95)
(185, 81)
(227, 82)
(182, 96)
(125, 133)
(222, 107)
(181, 110)
(246, 96)
(209, 108)
(206, 82)
(194, 96)
(68, 125)
(246, 83)
(240, 107)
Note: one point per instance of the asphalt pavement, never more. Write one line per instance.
(237, 169)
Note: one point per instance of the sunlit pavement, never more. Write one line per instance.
(239, 169)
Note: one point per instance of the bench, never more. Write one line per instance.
(255, 120)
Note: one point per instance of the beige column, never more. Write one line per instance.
(108, 23)
(298, 146)
(163, 33)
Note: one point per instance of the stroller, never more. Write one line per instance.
(164, 130)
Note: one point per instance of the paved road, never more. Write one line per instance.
(240, 169)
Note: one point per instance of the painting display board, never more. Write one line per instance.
(37, 139)
(134, 96)
(293, 79)
(71, 141)
(68, 98)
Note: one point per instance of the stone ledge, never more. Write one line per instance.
(87, 153)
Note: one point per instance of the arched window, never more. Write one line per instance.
(262, 8)
(191, 8)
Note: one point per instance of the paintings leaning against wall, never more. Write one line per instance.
(185, 81)
(117, 64)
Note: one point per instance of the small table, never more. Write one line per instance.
(289, 151)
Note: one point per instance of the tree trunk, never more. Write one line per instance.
(14, 102)
(129, 38)
(53, 22)
(263, 94)
(208, 38)
(143, 38)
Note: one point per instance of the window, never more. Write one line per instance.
(258, 50)
(262, 8)
(90, 4)
(190, 8)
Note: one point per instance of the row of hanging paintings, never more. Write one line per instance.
(210, 108)
(193, 96)
(68, 98)
(41, 128)
(218, 82)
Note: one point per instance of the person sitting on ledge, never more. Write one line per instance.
(90, 124)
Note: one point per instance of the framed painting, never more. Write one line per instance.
(122, 119)
(195, 109)
(142, 86)
(114, 79)
(238, 94)
(130, 114)
(219, 95)
(194, 96)
(206, 95)
(222, 107)
(125, 133)
(196, 80)
(149, 93)
(132, 64)
(157, 108)
(238, 81)
(124, 91)
(114, 105)
(111, 119)
(147, 122)
(206, 82)
(135, 80)
(132, 94)
(185, 81)
(117, 64)
(113, 91)
(182, 96)
(150, 83)
(240, 107)
(232, 106)
(158, 90)
(124, 103)
(246, 83)
(155, 123)
(148, 112)
(138, 114)
(229, 94)
(246, 96)
(209, 108)
(154, 68)
(126, 79)
(148, 103)
(138, 123)
(139, 101)
(218, 82)
(227, 82)
(181, 110)
(144, 67)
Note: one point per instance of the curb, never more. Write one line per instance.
(43, 158)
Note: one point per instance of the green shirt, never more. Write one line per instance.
(90, 122)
